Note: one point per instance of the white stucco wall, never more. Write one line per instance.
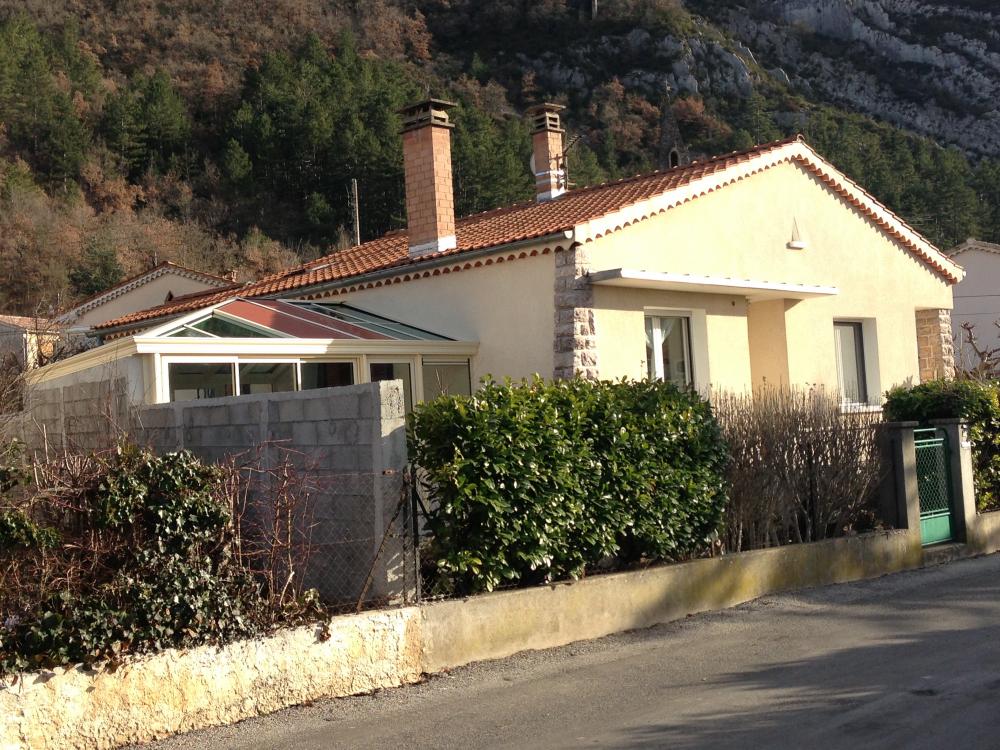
(506, 307)
(742, 231)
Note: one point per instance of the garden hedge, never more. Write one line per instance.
(535, 481)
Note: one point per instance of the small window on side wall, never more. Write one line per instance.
(668, 349)
(850, 351)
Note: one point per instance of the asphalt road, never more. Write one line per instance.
(907, 661)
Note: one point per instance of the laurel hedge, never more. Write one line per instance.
(535, 481)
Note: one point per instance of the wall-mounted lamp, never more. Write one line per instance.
(796, 243)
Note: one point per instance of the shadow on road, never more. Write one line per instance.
(910, 688)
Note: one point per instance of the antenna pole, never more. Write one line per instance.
(357, 215)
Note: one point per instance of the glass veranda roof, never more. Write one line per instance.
(302, 319)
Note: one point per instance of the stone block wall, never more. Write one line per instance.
(935, 345)
(79, 417)
(575, 335)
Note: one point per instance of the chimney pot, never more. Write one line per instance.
(430, 199)
(547, 150)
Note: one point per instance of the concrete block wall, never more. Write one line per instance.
(350, 440)
(80, 416)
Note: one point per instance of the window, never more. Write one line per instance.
(266, 377)
(446, 378)
(195, 380)
(395, 371)
(668, 349)
(850, 350)
(326, 374)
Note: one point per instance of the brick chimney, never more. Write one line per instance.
(547, 151)
(430, 199)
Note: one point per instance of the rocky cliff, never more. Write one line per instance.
(933, 68)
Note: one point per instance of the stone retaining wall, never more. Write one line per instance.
(174, 691)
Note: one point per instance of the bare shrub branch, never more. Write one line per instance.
(801, 469)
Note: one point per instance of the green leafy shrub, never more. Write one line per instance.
(536, 481)
(974, 401)
(137, 555)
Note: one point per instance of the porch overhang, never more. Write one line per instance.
(755, 291)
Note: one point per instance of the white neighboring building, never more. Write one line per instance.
(977, 296)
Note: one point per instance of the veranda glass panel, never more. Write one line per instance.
(446, 379)
(326, 374)
(270, 377)
(230, 329)
(195, 380)
(395, 371)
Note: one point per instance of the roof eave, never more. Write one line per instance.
(423, 264)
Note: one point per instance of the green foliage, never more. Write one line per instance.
(146, 124)
(978, 404)
(38, 113)
(537, 481)
(161, 572)
(17, 530)
(309, 122)
(97, 270)
(490, 161)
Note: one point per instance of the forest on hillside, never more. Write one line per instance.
(224, 135)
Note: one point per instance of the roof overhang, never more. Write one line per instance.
(755, 291)
(251, 347)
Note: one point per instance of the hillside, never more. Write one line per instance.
(933, 68)
(224, 135)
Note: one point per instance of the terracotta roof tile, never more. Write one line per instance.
(502, 226)
(28, 323)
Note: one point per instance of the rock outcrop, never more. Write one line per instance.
(933, 68)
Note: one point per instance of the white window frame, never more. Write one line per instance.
(697, 328)
(416, 372)
(222, 359)
(361, 365)
(869, 365)
(435, 360)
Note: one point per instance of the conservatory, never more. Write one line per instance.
(250, 346)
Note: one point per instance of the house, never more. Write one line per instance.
(765, 267)
(27, 342)
(159, 284)
(977, 298)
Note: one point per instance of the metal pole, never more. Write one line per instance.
(357, 215)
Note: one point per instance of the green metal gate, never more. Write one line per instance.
(934, 485)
